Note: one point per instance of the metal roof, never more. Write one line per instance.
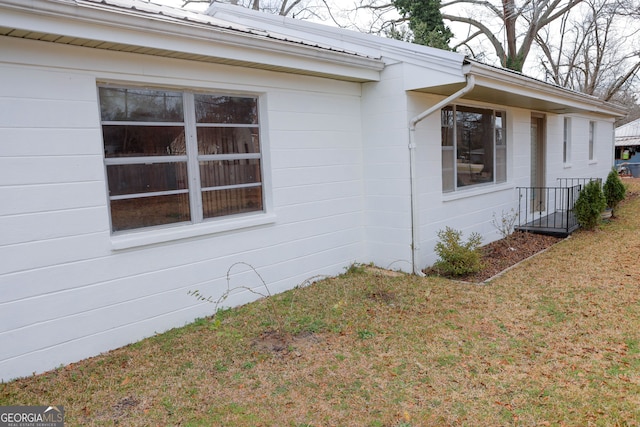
(236, 36)
(149, 17)
(147, 7)
(628, 134)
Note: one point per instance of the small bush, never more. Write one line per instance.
(455, 257)
(589, 206)
(614, 190)
(506, 224)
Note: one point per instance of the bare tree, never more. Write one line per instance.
(592, 46)
(597, 51)
(303, 9)
(484, 28)
(579, 43)
(509, 26)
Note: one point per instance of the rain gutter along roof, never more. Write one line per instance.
(542, 95)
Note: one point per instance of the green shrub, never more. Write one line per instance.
(455, 257)
(589, 206)
(614, 190)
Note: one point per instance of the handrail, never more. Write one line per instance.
(571, 182)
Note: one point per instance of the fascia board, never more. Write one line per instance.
(93, 21)
(520, 85)
(627, 141)
(421, 75)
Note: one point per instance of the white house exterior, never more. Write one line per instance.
(145, 150)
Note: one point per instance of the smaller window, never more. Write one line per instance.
(592, 136)
(474, 147)
(566, 141)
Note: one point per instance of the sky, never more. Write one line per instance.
(178, 3)
(335, 4)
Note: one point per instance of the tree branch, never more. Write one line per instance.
(485, 31)
(482, 3)
(285, 10)
(547, 17)
(613, 90)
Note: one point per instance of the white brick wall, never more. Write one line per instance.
(65, 294)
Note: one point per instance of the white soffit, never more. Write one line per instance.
(505, 87)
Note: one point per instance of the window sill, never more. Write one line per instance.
(478, 191)
(593, 162)
(567, 165)
(138, 238)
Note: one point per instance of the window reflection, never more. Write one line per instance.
(133, 141)
(140, 105)
(226, 109)
(222, 140)
(473, 147)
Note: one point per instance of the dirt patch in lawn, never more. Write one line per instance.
(284, 343)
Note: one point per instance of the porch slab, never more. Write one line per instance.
(560, 224)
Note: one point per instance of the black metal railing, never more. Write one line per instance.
(572, 182)
(549, 210)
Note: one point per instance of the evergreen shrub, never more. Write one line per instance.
(614, 190)
(455, 257)
(589, 206)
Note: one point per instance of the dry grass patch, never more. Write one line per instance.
(554, 341)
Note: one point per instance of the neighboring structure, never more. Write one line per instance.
(628, 147)
(145, 150)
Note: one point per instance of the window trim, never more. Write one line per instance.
(166, 233)
(477, 190)
(150, 235)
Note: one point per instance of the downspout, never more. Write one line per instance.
(415, 228)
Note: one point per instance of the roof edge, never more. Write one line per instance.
(196, 26)
(350, 40)
(489, 72)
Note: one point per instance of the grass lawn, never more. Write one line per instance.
(553, 342)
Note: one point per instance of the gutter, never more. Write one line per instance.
(500, 77)
(415, 228)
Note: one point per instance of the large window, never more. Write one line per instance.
(474, 147)
(175, 157)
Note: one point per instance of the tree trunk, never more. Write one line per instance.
(512, 61)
